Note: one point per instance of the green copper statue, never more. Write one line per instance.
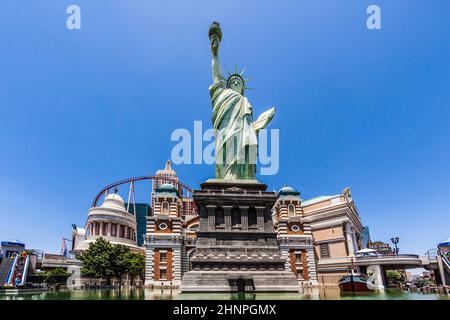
(232, 118)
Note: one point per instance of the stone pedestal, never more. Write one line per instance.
(237, 247)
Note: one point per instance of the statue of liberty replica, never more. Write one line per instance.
(232, 118)
(236, 248)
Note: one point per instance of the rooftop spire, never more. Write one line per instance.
(168, 165)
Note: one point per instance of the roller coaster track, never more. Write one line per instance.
(129, 180)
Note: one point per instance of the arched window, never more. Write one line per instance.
(252, 219)
(220, 218)
(235, 217)
(291, 210)
(165, 207)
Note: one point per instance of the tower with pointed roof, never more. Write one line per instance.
(164, 240)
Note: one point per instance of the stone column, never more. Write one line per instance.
(149, 266)
(349, 239)
(244, 217)
(211, 217)
(260, 217)
(312, 266)
(227, 216)
(355, 241)
(377, 277)
(285, 256)
(176, 264)
(203, 218)
(109, 229)
(125, 232)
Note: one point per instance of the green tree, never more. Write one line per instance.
(394, 276)
(135, 264)
(103, 259)
(98, 260)
(57, 275)
(119, 260)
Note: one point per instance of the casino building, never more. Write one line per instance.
(317, 238)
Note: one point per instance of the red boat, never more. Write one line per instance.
(353, 283)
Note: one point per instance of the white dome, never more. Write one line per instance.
(113, 200)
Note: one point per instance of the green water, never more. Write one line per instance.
(143, 294)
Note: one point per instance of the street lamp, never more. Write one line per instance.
(395, 242)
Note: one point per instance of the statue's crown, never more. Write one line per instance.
(239, 75)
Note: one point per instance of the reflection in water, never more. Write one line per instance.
(169, 294)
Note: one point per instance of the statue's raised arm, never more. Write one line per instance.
(215, 36)
(236, 134)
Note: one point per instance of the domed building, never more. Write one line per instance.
(112, 222)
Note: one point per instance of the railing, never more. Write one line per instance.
(11, 270)
(432, 254)
(388, 256)
(446, 262)
(25, 270)
(38, 253)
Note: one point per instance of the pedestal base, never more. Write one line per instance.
(239, 281)
(237, 248)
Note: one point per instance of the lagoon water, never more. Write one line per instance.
(166, 294)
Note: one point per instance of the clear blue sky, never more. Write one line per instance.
(366, 109)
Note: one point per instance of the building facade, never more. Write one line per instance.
(164, 240)
(318, 238)
(294, 236)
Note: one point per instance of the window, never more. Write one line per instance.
(295, 228)
(252, 219)
(298, 258)
(162, 274)
(114, 230)
(324, 250)
(122, 231)
(291, 210)
(163, 256)
(220, 218)
(105, 229)
(163, 226)
(165, 207)
(236, 217)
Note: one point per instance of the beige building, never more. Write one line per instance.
(318, 238)
(336, 228)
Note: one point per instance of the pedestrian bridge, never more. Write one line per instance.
(400, 261)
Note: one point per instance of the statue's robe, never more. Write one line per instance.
(236, 138)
